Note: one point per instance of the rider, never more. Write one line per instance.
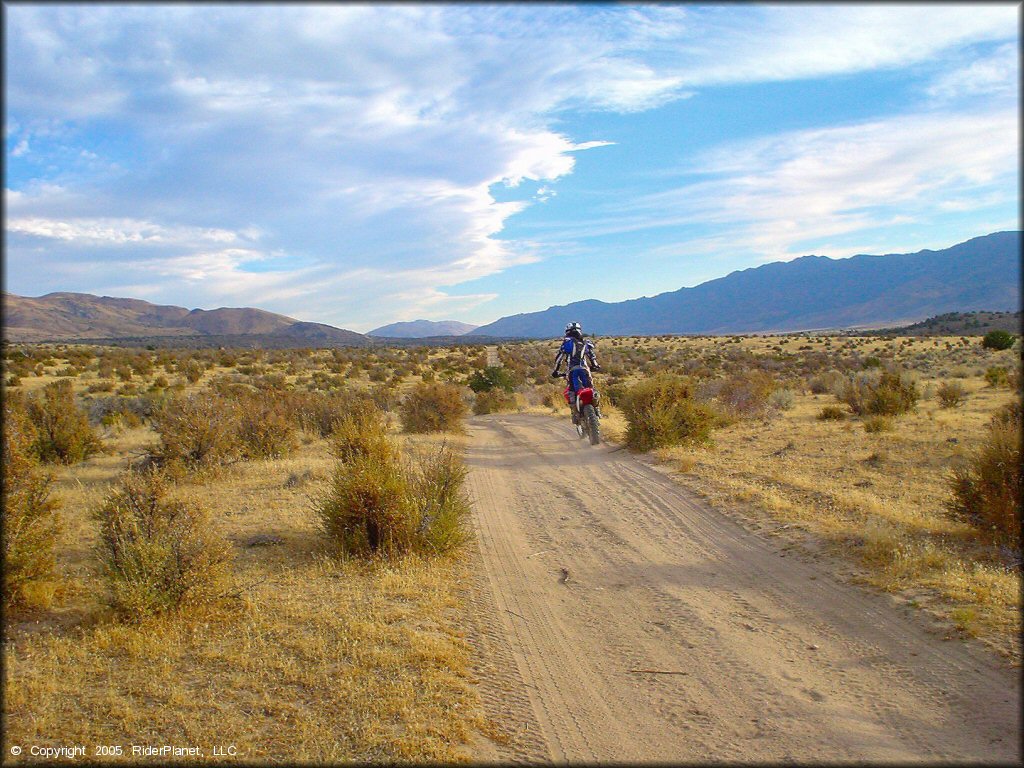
(581, 359)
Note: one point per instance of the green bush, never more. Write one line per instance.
(987, 490)
(157, 554)
(892, 394)
(437, 483)
(493, 401)
(951, 394)
(63, 433)
(491, 377)
(432, 407)
(662, 411)
(997, 376)
(997, 340)
(31, 523)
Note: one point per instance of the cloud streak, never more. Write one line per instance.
(339, 162)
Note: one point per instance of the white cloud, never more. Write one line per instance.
(996, 74)
(361, 141)
(116, 232)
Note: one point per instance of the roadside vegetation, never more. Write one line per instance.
(263, 548)
(266, 546)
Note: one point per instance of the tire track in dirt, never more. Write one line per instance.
(772, 657)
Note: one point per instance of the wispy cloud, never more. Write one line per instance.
(356, 146)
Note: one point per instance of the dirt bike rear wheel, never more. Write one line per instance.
(589, 417)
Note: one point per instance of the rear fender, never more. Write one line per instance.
(586, 396)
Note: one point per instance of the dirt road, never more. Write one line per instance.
(621, 619)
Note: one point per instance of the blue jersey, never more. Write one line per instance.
(576, 353)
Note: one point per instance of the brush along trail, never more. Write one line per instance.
(620, 618)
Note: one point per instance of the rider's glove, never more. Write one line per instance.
(555, 374)
(596, 368)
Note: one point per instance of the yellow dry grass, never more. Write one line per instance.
(310, 660)
(877, 499)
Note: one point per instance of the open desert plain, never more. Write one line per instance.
(784, 548)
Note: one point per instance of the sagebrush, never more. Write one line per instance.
(157, 554)
(31, 522)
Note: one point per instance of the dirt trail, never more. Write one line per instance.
(593, 564)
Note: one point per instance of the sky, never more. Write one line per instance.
(359, 165)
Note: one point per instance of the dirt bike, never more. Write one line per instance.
(585, 415)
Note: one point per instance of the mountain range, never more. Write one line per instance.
(77, 316)
(808, 293)
(418, 329)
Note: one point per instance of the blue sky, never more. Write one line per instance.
(364, 164)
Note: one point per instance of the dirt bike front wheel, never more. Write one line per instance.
(589, 417)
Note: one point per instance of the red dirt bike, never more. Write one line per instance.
(585, 415)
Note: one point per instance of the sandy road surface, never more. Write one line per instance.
(593, 564)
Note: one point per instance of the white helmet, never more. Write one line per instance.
(573, 327)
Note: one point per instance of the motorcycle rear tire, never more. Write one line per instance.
(592, 422)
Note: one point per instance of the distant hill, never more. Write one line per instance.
(81, 316)
(419, 329)
(957, 324)
(808, 293)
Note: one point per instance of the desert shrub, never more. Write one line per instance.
(62, 428)
(997, 340)
(157, 554)
(384, 396)
(199, 431)
(782, 399)
(951, 394)
(192, 370)
(987, 490)
(437, 480)
(878, 423)
(316, 413)
(553, 397)
(265, 427)
(379, 502)
(831, 413)
(491, 377)
(997, 376)
(745, 393)
(891, 394)
(432, 407)
(104, 385)
(662, 411)
(361, 433)
(367, 506)
(493, 401)
(129, 411)
(31, 523)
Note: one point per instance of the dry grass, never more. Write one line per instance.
(316, 659)
(877, 499)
